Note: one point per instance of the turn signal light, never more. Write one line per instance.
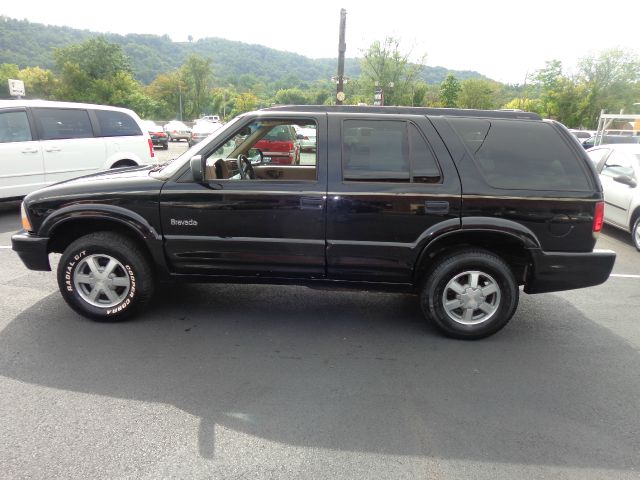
(26, 224)
(598, 217)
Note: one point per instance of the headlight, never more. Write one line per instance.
(26, 224)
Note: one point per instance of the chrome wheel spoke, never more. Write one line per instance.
(486, 308)
(94, 266)
(94, 293)
(112, 295)
(120, 282)
(474, 279)
(456, 287)
(452, 304)
(108, 270)
(85, 279)
(489, 290)
(468, 315)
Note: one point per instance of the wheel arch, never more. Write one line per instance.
(71, 223)
(511, 246)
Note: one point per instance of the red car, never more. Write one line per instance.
(280, 145)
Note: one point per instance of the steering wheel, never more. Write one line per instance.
(245, 168)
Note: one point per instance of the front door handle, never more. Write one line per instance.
(311, 203)
(30, 150)
(52, 149)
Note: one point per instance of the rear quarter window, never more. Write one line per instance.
(117, 124)
(519, 154)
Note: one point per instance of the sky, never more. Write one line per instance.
(503, 40)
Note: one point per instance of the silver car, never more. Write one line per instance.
(176, 131)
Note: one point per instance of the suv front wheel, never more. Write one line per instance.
(105, 276)
(470, 295)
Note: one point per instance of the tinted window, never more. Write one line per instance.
(58, 123)
(375, 150)
(424, 167)
(14, 127)
(517, 154)
(117, 124)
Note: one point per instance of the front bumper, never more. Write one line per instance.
(555, 271)
(32, 250)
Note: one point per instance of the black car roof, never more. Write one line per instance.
(457, 112)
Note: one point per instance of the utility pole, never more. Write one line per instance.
(342, 47)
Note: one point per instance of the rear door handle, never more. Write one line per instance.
(30, 150)
(311, 203)
(52, 149)
(437, 207)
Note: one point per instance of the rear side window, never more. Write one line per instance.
(117, 124)
(59, 123)
(516, 154)
(14, 127)
(386, 151)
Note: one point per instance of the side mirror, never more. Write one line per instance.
(626, 180)
(197, 168)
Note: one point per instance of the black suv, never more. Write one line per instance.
(460, 207)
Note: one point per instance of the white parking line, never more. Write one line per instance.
(5, 246)
(622, 275)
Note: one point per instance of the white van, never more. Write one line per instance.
(44, 142)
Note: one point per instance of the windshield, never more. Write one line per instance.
(172, 166)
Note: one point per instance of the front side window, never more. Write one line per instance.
(14, 127)
(61, 123)
(117, 124)
(265, 150)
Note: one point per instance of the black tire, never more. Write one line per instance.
(131, 270)
(635, 233)
(442, 291)
(165, 146)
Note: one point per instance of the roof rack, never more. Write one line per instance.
(457, 112)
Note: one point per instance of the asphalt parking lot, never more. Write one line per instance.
(245, 381)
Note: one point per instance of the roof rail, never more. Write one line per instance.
(457, 112)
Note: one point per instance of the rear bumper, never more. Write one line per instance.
(553, 271)
(32, 250)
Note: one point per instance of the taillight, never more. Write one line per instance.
(305, 138)
(151, 148)
(598, 217)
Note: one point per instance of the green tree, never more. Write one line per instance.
(198, 77)
(98, 71)
(7, 71)
(384, 65)
(449, 90)
(169, 91)
(39, 83)
(291, 96)
(607, 81)
(245, 102)
(477, 93)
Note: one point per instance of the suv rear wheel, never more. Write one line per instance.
(105, 276)
(470, 295)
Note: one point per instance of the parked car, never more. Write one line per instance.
(202, 130)
(176, 131)
(619, 169)
(459, 207)
(582, 135)
(44, 142)
(157, 134)
(280, 145)
(609, 139)
(210, 118)
(307, 139)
